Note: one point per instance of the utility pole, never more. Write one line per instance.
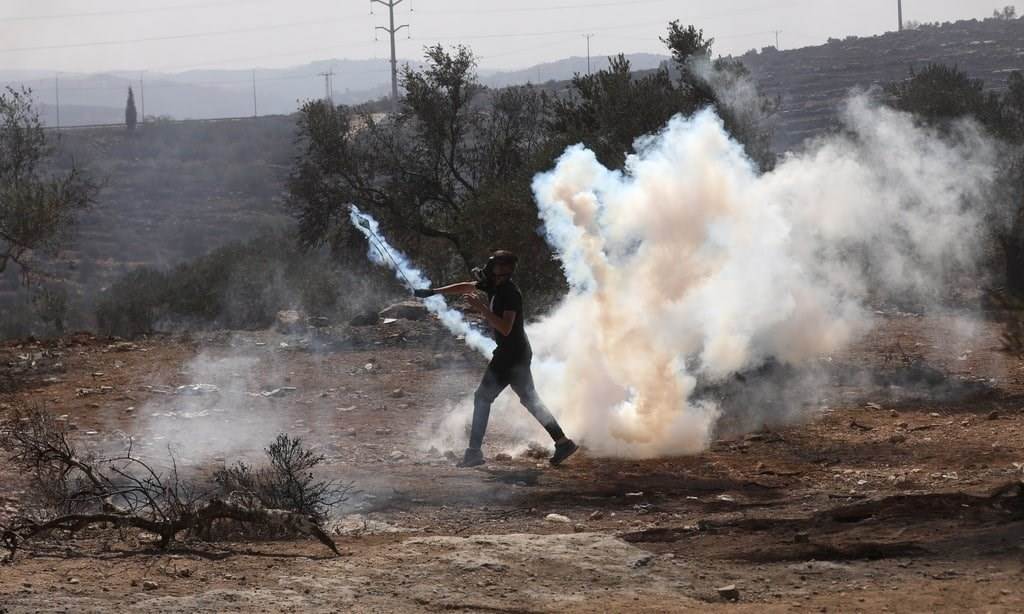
(142, 94)
(899, 9)
(391, 30)
(254, 93)
(328, 87)
(56, 82)
(777, 32)
(588, 37)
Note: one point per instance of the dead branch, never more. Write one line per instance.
(124, 491)
(200, 519)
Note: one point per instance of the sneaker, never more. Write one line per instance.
(472, 458)
(562, 452)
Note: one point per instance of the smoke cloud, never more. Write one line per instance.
(691, 267)
(384, 254)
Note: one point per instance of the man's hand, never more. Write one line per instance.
(477, 303)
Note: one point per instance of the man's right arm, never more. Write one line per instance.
(460, 288)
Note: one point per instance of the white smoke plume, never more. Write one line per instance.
(383, 254)
(690, 266)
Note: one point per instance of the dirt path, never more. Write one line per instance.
(881, 502)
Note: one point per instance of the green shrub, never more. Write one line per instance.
(132, 305)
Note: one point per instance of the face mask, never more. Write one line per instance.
(485, 274)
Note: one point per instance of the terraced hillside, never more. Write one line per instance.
(171, 192)
(813, 81)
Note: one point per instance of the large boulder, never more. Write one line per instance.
(405, 310)
(290, 322)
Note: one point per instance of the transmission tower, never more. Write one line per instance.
(391, 29)
(328, 86)
(588, 37)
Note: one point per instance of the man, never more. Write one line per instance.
(510, 363)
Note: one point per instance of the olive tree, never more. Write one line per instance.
(37, 203)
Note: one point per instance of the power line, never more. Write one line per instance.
(561, 7)
(155, 9)
(174, 36)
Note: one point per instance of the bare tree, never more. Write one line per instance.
(37, 204)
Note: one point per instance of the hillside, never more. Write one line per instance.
(171, 193)
(813, 81)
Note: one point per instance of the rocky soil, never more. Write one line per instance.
(883, 499)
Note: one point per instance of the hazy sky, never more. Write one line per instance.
(174, 35)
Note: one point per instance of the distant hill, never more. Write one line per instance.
(203, 94)
(813, 81)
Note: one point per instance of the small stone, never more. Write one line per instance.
(503, 458)
(597, 515)
(558, 518)
(897, 438)
(149, 585)
(729, 592)
(397, 455)
(73, 580)
(993, 415)
(801, 538)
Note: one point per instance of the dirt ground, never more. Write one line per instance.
(880, 501)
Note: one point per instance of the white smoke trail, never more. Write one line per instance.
(690, 266)
(383, 254)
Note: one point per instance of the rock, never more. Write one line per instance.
(149, 585)
(897, 438)
(406, 310)
(196, 389)
(569, 552)
(558, 518)
(503, 458)
(73, 580)
(397, 393)
(597, 515)
(277, 393)
(535, 450)
(729, 592)
(290, 322)
(397, 455)
(366, 318)
(643, 560)
(801, 537)
(993, 415)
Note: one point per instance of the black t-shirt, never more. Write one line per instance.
(506, 297)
